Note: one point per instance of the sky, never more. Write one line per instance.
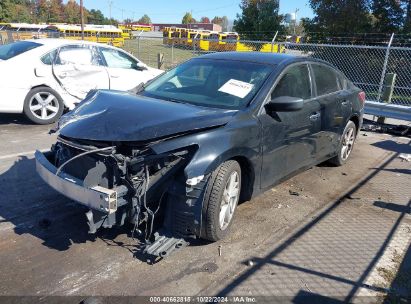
(172, 11)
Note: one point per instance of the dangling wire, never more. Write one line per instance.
(82, 154)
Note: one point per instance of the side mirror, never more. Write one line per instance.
(285, 104)
(138, 67)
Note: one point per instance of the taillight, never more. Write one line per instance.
(361, 98)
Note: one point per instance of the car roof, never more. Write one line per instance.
(258, 57)
(56, 42)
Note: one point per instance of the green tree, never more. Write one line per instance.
(205, 20)
(22, 13)
(340, 17)
(188, 18)
(259, 19)
(56, 11)
(16, 11)
(144, 20)
(388, 14)
(96, 17)
(42, 10)
(72, 12)
(6, 11)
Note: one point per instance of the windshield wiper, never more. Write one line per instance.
(138, 89)
(173, 100)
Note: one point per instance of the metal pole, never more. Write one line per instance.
(272, 41)
(384, 69)
(295, 21)
(172, 51)
(110, 3)
(138, 44)
(82, 19)
(194, 42)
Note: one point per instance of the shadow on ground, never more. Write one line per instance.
(307, 296)
(32, 207)
(19, 119)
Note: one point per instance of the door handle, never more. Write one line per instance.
(315, 116)
(345, 102)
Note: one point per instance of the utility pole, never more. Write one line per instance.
(295, 21)
(82, 19)
(110, 3)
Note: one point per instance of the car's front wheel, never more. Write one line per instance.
(346, 144)
(221, 199)
(43, 106)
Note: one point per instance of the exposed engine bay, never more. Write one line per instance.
(145, 184)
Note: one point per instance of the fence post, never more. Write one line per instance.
(384, 69)
(194, 43)
(172, 51)
(138, 44)
(272, 41)
(160, 60)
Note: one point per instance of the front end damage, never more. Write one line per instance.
(123, 182)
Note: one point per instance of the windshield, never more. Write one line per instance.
(212, 83)
(13, 49)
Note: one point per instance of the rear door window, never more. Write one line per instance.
(326, 79)
(295, 82)
(49, 58)
(77, 54)
(117, 59)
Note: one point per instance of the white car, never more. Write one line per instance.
(42, 77)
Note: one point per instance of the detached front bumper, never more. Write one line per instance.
(97, 198)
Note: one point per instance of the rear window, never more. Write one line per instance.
(326, 79)
(11, 50)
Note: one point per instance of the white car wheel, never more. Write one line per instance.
(43, 106)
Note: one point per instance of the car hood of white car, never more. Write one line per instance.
(155, 72)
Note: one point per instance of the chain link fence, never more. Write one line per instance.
(366, 66)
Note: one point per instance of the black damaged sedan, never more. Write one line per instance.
(175, 157)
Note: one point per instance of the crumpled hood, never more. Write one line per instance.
(120, 116)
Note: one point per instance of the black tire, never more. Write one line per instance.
(56, 103)
(340, 159)
(214, 200)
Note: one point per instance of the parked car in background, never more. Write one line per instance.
(42, 77)
(178, 157)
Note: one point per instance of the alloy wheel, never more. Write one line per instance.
(347, 144)
(230, 199)
(44, 105)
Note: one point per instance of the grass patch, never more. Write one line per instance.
(147, 49)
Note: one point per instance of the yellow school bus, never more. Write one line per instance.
(96, 33)
(183, 37)
(141, 27)
(127, 31)
(23, 31)
(202, 41)
(168, 35)
(177, 35)
(224, 41)
(191, 34)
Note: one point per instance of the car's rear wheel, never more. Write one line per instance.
(346, 144)
(43, 105)
(221, 200)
